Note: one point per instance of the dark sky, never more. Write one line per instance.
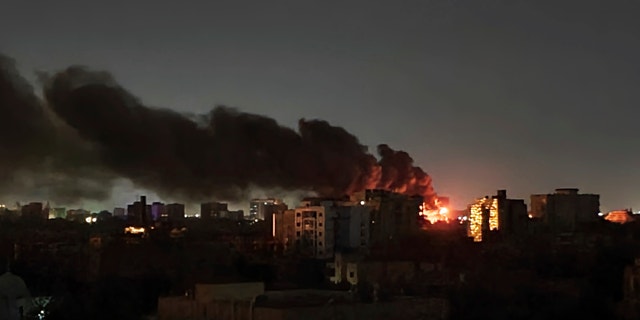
(522, 95)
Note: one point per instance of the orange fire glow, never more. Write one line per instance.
(439, 214)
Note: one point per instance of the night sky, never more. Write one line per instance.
(526, 96)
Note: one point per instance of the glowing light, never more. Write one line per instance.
(619, 216)
(476, 218)
(600, 214)
(87, 219)
(434, 215)
(134, 230)
(362, 203)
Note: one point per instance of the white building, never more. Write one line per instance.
(324, 226)
(314, 228)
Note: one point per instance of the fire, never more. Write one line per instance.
(433, 215)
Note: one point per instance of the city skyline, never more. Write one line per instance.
(524, 97)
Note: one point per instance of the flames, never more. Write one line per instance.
(435, 214)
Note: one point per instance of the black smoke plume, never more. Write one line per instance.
(217, 155)
(39, 155)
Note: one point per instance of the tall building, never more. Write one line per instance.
(319, 227)
(263, 209)
(392, 214)
(314, 228)
(175, 212)
(283, 228)
(497, 213)
(352, 226)
(213, 210)
(566, 209)
(158, 210)
(140, 211)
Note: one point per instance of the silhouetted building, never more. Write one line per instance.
(213, 210)
(34, 212)
(119, 212)
(140, 211)
(78, 215)
(263, 209)
(392, 214)
(565, 210)
(175, 212)
(158, 210)
(283, 228)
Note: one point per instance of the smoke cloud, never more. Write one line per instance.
(40, 155)
(99, 131)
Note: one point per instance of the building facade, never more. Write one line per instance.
(392, 214)
(566, 209)
(175, 212)
(497, 213)
(213, 210)
(263, 209)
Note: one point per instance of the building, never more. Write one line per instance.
(319, 227)
(283, 228)
(34, 212)
(392, 214)
(175, 212)
(140, 211)
(509, 216)
(58, 213)
(565, 210)
(119, 212)
(158, 210)
(314, 228)
(263, 209)
(213, 210)
(352, 226)
(78, 215)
